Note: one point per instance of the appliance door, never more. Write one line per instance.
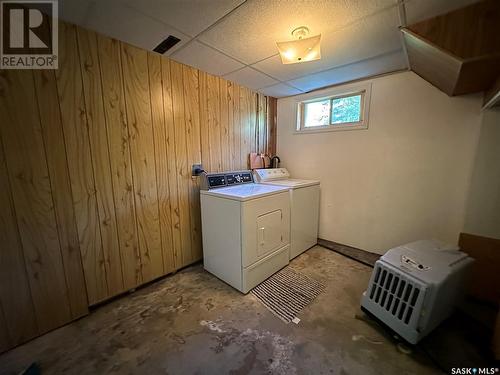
(265, 226)
(269, 232)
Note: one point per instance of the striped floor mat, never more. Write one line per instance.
(287, 292)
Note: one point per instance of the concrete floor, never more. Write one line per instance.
(192, 323)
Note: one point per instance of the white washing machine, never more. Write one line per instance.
(304, 207)
(245, 228)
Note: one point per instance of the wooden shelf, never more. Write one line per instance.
(448, 72)
(458, 52)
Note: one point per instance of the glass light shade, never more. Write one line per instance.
(300, 50)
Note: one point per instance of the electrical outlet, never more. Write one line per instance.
(196, 170)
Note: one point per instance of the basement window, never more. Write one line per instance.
(341, 110)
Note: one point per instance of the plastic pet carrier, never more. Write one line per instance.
(416, 286)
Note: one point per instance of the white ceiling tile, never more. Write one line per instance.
(206, 59)
(274, 67)
(251, 78)
(352, 31)
(280, 90)
(419, 10)
(115, 19)
(190, 17)
(381, 64)
(370, 37)
(250, 33)
(74, 11)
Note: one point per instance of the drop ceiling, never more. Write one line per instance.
(236, 39)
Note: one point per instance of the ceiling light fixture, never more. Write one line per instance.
(302, 49)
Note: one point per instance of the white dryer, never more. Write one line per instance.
(245, 228)
(304, 207)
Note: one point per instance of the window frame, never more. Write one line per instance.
(332, 94)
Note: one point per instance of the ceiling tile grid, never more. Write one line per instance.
(386, 63)
(250, 33)
(369, 37)
(207, 59)
(237, 38)
(115, 19)
(251, 78)
(280, 90)
(74, 11)
(189, 16)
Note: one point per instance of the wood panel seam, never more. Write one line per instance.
(90, 151)
(49, 178)
(109, 156)
(122, 83)
(70, 190)
(155, 166)
(105, 177)
(18, 235)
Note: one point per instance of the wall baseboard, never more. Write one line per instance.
(359, 255)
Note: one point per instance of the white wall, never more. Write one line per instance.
(483, 205)
(403, 179)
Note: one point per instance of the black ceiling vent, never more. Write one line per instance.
(167, 44)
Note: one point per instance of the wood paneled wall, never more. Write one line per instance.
(95, 174)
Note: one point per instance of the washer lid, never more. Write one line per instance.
(292, 183)
(245, 192)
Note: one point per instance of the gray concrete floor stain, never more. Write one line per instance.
(193, 323)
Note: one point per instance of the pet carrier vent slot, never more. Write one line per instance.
(415, 297)
(389, 279)
(377, 274)
(408, 315)
(395, 285)
(401, 311)
(383, 298)
(389, 303)
(402, 285)
(372, 293)
(407, 294)
(395, 308)
(394, 293)
(382, 279)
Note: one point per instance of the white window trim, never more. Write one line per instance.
(332, 94)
